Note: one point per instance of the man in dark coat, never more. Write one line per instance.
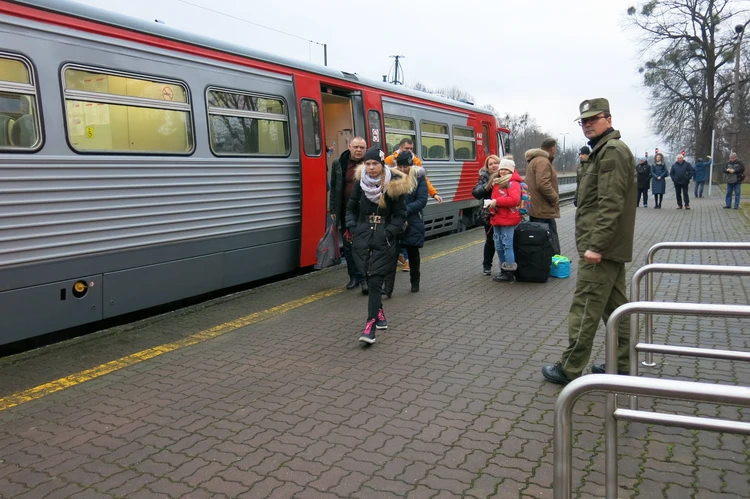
(681, 173)
(342, 183)
(643, 172)
(735, 171)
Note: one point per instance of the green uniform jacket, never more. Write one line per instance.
(605, 216)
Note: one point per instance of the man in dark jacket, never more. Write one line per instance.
(643, 171)
(735, 171)
(681, 173)
(605, 225)
(342, 183)
(701, 175)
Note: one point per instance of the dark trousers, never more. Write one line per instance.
(552, 231)
(414, 269)
(644, 193)
(489, 247)
(347, 250)
(682, 192)
(374, 298)
(658, 198)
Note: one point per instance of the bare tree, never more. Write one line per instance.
(452, 92)
(691, 47)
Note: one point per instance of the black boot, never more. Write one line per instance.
(415, 285)
(507, 273)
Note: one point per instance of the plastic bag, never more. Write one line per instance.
(328, 253)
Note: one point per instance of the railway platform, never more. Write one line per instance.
(268, 394)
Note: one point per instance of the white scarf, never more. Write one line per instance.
(370, 186)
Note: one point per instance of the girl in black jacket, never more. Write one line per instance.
(375, 215)
(482, 192)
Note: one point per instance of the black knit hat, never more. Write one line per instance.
(376, 154)
(405, 158)
(585, 150)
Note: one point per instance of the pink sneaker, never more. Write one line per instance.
(380, 323)
(368, 336)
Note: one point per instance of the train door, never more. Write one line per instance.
(343, 119)
(313, 195)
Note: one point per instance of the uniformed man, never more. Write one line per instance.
(605, 222)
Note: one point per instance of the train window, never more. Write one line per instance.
(435, 138)
(397, 129)
(486, 138)
(464, 143)
(243, 124)
(375, 128)
(111, 112)
(20, 126)
(311, 127)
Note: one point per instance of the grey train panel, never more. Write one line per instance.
(444, 174)
(67, 215)
(135, 289)
(35, 310)
(35, 274)
(259, 262)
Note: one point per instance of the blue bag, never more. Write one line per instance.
(560, 267)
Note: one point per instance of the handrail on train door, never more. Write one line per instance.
(671, 268)
(650, 255)
(629, 385)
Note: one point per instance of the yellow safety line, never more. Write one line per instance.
(98, 371)
(95, 372)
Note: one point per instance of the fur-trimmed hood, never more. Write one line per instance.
(400, 183)
(535, 153)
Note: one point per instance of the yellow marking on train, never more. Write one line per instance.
(75, 379)
(95, 372)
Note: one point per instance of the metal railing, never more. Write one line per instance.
(671, 268)
(678, 245)
(681, 390)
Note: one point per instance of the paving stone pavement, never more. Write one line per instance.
(450, 401)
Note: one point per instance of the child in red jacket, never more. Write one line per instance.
(506, 196)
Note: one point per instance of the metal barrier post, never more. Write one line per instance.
(628, 385)
(671, 268)
(699, 309)
(650, 280)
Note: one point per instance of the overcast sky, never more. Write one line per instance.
(561, 52)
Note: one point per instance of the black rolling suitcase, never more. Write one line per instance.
(532, 244)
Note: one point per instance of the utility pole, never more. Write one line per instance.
(564, 151)
(396, 80)
(740, 30)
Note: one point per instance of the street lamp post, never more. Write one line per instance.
(740, 30)
(564, 151)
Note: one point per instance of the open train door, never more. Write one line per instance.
(313, 168)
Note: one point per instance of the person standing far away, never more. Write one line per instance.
(658, 180)
(342, 183)
(643, 171)
(583, 157)
(375, 215)
(605, 225)
(406, 144)
(735, 171)
(544, 192)
(701, 174)
(681, 173)
(482, 191)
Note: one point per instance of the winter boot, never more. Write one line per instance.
(507, 272)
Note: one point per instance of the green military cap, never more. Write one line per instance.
(591, 107)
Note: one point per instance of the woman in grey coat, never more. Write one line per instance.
(659, 175)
